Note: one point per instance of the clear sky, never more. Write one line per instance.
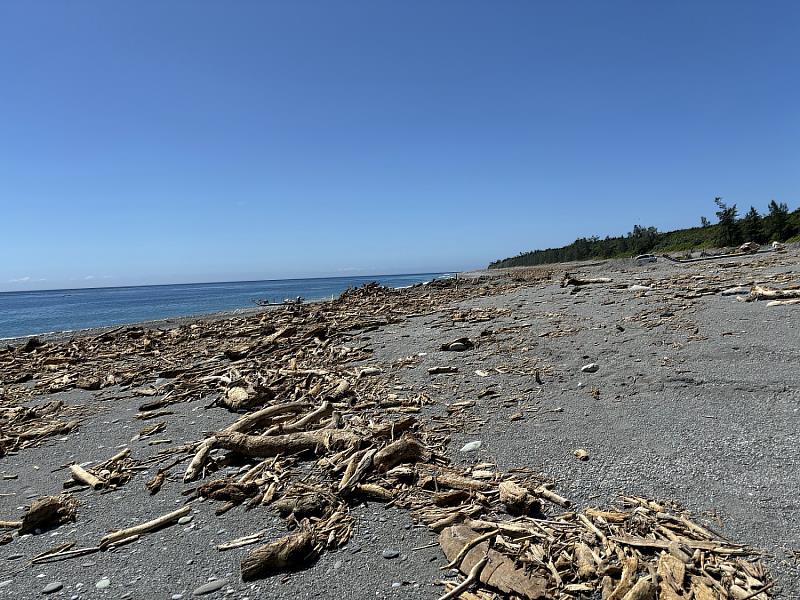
(154, 142)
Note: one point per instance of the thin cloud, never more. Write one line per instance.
(20, 279)
(88, 277)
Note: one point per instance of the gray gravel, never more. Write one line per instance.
(707, 419)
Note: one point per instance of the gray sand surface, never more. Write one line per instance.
(693, 402)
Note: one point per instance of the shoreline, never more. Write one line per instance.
(673, 413)
(60, 335)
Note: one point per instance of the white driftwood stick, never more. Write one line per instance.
(167, 519)
(83, 476)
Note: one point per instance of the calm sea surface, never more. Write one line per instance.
(27, 313)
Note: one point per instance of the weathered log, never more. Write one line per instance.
(585, 561)
(644, 589)
(227, 490)
(374, 492)
(472, 577)
(517, 499)
(354, 475)
(405, 450)
(761, 293)
(262, 417)
(305, 505)
(670, 577)
(570, 280)
(500, 571)
(301, 441)
(48, 511)
(392, 429)
(83, 476)
(629, 566)
(434, 479)
(550, 495)
(289, 552)
(324, 410)
(199, 460)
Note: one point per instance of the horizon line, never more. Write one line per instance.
(115, 287)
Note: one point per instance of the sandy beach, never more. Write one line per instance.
(693, 400)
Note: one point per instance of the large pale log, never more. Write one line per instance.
(301, 441)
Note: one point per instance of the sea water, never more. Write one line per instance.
(29, 313)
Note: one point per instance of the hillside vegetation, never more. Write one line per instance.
(731, 230)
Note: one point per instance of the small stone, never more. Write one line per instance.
(397, 584)
(176, 596)
(14, 556)
(88, 564)
(390, 553)
(210, 587)
(53, 587)
(185, 520)
(590, 368)
(103, 583)
(472, 446)
(581, 454)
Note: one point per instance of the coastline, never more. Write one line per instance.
(183, 319)
(675, 412)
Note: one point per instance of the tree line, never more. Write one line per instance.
(778, 224)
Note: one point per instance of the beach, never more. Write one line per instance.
(692, 399)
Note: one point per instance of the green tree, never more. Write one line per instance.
(704, 222)
(729, 232)
(752, 226)
(777, 221)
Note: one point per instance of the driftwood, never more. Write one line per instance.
(758, 292)
(289, 552)
(80, 475)
(517, 499)
(571, 280)
(405, 450)
(122, 534)
(49, 511)
(500, 571)
(320, 440)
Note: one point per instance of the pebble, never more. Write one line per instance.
(185, 520)
(210, 587)
(390, 553)
(590, 368)
(176, 596)
(52, 587)
(471, 446)
(14, 556)
(103, 583)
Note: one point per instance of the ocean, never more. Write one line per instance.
(31, 313)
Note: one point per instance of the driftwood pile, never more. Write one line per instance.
(314, 431)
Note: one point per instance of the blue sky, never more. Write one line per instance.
(154, 142)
